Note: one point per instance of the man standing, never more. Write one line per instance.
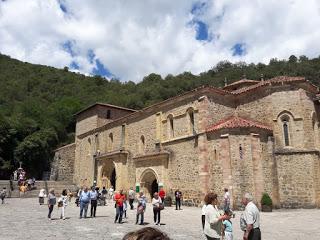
(131, 197)
(226, 200)
(250, 219)
(93, 201)
(178, 196)
(84, 202)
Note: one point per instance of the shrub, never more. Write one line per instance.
(266, 199)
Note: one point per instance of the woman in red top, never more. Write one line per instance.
(119, 198)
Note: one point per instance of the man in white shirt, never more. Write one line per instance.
(251, 217)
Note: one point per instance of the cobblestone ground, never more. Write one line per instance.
(26, 219)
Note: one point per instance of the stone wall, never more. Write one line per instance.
(297, 181)
(62, 168)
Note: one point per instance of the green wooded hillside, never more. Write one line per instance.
(37, 102)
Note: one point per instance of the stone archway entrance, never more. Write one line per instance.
(109, 176)
(149, 183)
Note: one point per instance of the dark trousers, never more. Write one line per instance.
(203, 220)
(50, 211)
(119, 212)
(131, 203)
(255, 234)
(178, 203)
(142, 218)
(93, 208)
(156, 215)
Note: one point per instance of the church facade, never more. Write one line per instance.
(250, 136)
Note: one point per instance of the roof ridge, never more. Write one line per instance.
(237, 122)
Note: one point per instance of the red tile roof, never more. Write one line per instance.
(237, 122)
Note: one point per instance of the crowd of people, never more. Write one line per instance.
(216, 223)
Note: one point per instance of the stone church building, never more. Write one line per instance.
(250, 136)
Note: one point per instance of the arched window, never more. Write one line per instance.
(170, 126)
(142, 145)
(110, 142)
(285, 129)
(190, 114)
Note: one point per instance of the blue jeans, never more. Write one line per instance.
(84, 206)
(119, 212)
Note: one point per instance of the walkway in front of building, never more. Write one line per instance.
(26, 219)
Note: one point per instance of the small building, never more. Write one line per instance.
(250, 136)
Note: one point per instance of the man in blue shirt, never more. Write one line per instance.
(84, 202)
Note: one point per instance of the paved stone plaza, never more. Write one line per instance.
(26, 219)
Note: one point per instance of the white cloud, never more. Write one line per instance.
(135, 38)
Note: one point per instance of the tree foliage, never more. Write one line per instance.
(38, 103)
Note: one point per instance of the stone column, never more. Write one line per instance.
(203, 145)
(226, 165)
(257, 167)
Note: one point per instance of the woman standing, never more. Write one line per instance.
(51, 201)
(157, 206)
(64, 203)
(213, 219)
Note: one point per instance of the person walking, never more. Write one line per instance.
(131, 194)
(250, 219)
(51, 201)
(63, 200)
(213, 219)
(42, 195)
(93, 201)
(157, 207)
(141, 208)
(178, 196)
(119, 198)
(226, 200)
(104, 193)
(111, 192)
(84, 202)
(162, 194)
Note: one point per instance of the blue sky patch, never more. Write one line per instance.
(91, 56)
(239, 49)
(68, 47)
(101, 70)
(198, 8)
(62, 6)
(201, 30)
(74, 65)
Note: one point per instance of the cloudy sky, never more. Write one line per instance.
(129, 39)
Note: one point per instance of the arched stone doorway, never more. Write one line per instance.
(109, 176)
(149, 183)
(113, 179)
